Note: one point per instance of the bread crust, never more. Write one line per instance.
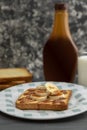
(10, 83)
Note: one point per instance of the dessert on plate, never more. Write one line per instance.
(44, 97)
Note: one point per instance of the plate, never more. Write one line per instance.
(77, 103)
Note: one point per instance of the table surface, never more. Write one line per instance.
(78, 122)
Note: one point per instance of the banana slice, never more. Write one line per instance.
(41, 92)
(51, 88)
(38, 98)
(56, 97)
(41, 87)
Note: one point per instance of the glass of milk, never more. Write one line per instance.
(82, 68)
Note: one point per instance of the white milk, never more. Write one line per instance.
(82, 70)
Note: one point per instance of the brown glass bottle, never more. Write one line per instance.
(60, 52)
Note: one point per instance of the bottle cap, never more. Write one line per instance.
(60, 6)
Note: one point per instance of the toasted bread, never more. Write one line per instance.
(12, 74)
(9, 84)
(31, 99)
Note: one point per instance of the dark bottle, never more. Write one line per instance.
(60, 52)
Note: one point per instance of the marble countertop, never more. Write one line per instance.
(25, 25)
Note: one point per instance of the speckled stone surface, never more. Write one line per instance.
(25, 25)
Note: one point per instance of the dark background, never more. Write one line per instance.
(25, 25)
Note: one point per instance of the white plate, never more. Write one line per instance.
(77, 104)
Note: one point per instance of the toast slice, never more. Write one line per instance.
(40, 99)
(14, 74)
(9, 84)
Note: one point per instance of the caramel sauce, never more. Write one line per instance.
(59, 101)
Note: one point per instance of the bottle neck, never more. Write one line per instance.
(61, 25)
